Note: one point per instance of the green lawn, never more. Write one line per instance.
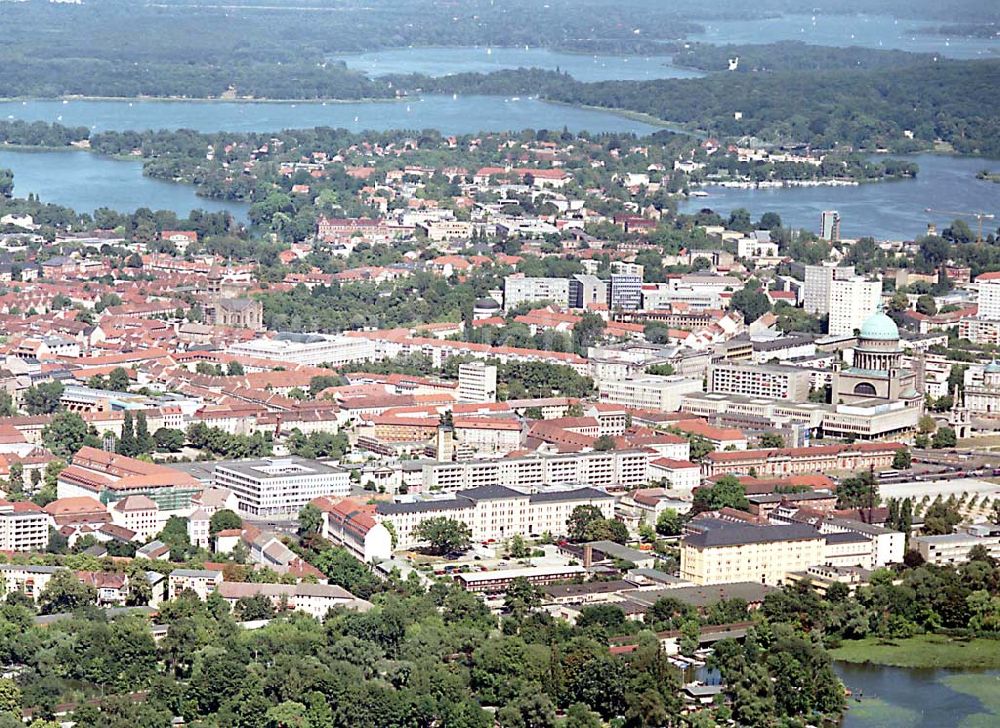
(922, 651)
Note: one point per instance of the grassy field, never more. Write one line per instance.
(922, 651)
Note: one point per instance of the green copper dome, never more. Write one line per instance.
(992, 368)
(881, 327)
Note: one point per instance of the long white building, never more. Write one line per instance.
(280, 486)
(312, 349)
(624, 468)
(496, 512)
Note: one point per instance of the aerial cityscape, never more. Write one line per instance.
(499, 364)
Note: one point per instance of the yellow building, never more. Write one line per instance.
(723, 552)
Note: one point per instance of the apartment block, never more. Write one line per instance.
(586, 291)
(664, 394)
(816, 288)
(617, 468)
(23, 527)
(522, 289)
(477, 382)
(496, 512)
(852, 302)
(312, 349)
(760, 380)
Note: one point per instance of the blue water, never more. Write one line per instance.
(867, 31)
(447, 61)
(884, 210)
(451, 115)
(85, 181)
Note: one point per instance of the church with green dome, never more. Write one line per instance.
(876, 372)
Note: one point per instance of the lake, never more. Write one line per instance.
(905, 698)
(451, 115)
(85, 181)
(885, 210)
(868, 31)
(447, 61)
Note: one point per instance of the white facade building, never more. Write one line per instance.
(496, 512)
(280, 486)
(312, 349)
(477, 382)
(521, 289)
(663, 394)
(23, 527)
(816, 288)
(852, 302)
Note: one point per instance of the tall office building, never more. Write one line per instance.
(829, 225)
(477, 382)
(852, 302)
(816, 288)
(625, 292)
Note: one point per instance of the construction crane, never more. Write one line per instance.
(980, 216)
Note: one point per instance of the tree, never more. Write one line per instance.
(604, 443)
(941, 519)
(66, 434)
(310, 520)
(532, 711)
(10, 697)
(580, 520)
(588, 331)
(224, 520)
(772, 440)
(726, 492)
(607, 529)
(249, 609)
(43, 399)
(169, 439)
(580, 715)
(926, 424)
(859, 491)
(235, 369)
(118, 380)
(902, 460)
(518, 548)
(15, 480)
(926, 305)
(7, 408)
(144, 442)
(522, 597)
(444, 535)
(944, 438)
(65, 593)
(751, 301)
(175, 535)
(127, 444)
(669, 523)
(318, 383)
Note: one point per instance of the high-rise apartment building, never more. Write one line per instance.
(852, 302)
(816, 288)
(829, 225)
(477, 382)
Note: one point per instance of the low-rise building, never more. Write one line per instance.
(351, 524)
(315, 600)
(201, 581)
(663, 393)
(954, 548)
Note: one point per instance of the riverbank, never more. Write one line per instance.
(922, 651)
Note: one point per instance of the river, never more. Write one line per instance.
(447, 61)
(867, 31)
(905, 698)
(885, 210)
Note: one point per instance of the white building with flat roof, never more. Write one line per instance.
(651, 392)
(280, 486)
(477, 382)
(518, 289)
(312, 349)
(852, 302)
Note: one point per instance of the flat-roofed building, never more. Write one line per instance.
(649, 392)
(23, 527)
(280, 486)
(760, 380)
(954, 548)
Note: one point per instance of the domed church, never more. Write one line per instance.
(876, 372)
